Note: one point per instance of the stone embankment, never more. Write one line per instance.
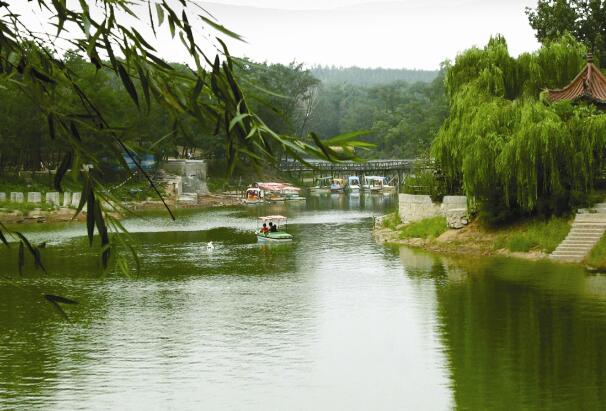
(587, 229)
(418, 207)
(52, 206)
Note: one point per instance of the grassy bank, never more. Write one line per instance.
(534, 237)
(597, 256)
(428, 229)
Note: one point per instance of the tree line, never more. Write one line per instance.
(400, 117)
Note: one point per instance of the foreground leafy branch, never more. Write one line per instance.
(207, 92)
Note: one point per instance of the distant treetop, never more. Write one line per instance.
(368, 77)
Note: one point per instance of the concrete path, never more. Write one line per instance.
(587, 229)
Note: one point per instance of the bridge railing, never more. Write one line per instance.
(327, 166)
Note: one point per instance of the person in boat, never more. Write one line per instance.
(264, 229)
(272, 227)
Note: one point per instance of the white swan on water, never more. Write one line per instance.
(210, 246)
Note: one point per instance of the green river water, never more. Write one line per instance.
(332, 321)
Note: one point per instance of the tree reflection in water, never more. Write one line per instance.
(519, 334)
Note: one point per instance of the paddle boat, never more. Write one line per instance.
(279, 235)
(377, 184)
(321, 185)
(353, 184)
(337, 185)
(271, 192)
(253, 195)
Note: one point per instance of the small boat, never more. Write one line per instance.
(378, 184)
(321, 185)
(253, 196)
(337, 185)
(279, 235)
(353, 184)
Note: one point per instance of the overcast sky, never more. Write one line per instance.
(371, 33)
(364, 33)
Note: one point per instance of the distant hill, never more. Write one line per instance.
(367, 77)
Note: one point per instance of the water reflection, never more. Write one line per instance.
(519, 334)
(331, 321)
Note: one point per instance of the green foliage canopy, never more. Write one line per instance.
(504, 147)
(78, 121)
(584, 19)
(402, 118)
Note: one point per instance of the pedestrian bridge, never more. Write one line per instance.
(367, 167)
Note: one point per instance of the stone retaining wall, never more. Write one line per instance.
(418, 207)
(36, 197)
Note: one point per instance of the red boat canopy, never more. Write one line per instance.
(272, 186)
(589, 84)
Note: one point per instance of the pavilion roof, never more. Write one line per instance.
(589, 84)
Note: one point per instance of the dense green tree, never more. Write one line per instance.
(584, 19)
(507, 149)
(401, 118)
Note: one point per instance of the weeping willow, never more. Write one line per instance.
(504, 146)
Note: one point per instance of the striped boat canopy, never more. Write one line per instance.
(588, 85)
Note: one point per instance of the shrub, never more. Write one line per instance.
(391, 220)
(597, 256)
(541, 235)
(428, 228)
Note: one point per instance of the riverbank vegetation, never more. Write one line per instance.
(597, 257)
(512, 153)
(534, 237)
(427, 229)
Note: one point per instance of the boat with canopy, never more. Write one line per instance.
(252, 196)
(278, 234)
(321, 185)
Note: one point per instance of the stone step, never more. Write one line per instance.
(588, 226)
(583, 239)
(566, 259)
(570, 249)
(584, 236)
(567, 255)
(582, 233)
(587, 229)
(597, 218)
(578, 243)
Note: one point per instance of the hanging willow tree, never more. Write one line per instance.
(508, 150)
